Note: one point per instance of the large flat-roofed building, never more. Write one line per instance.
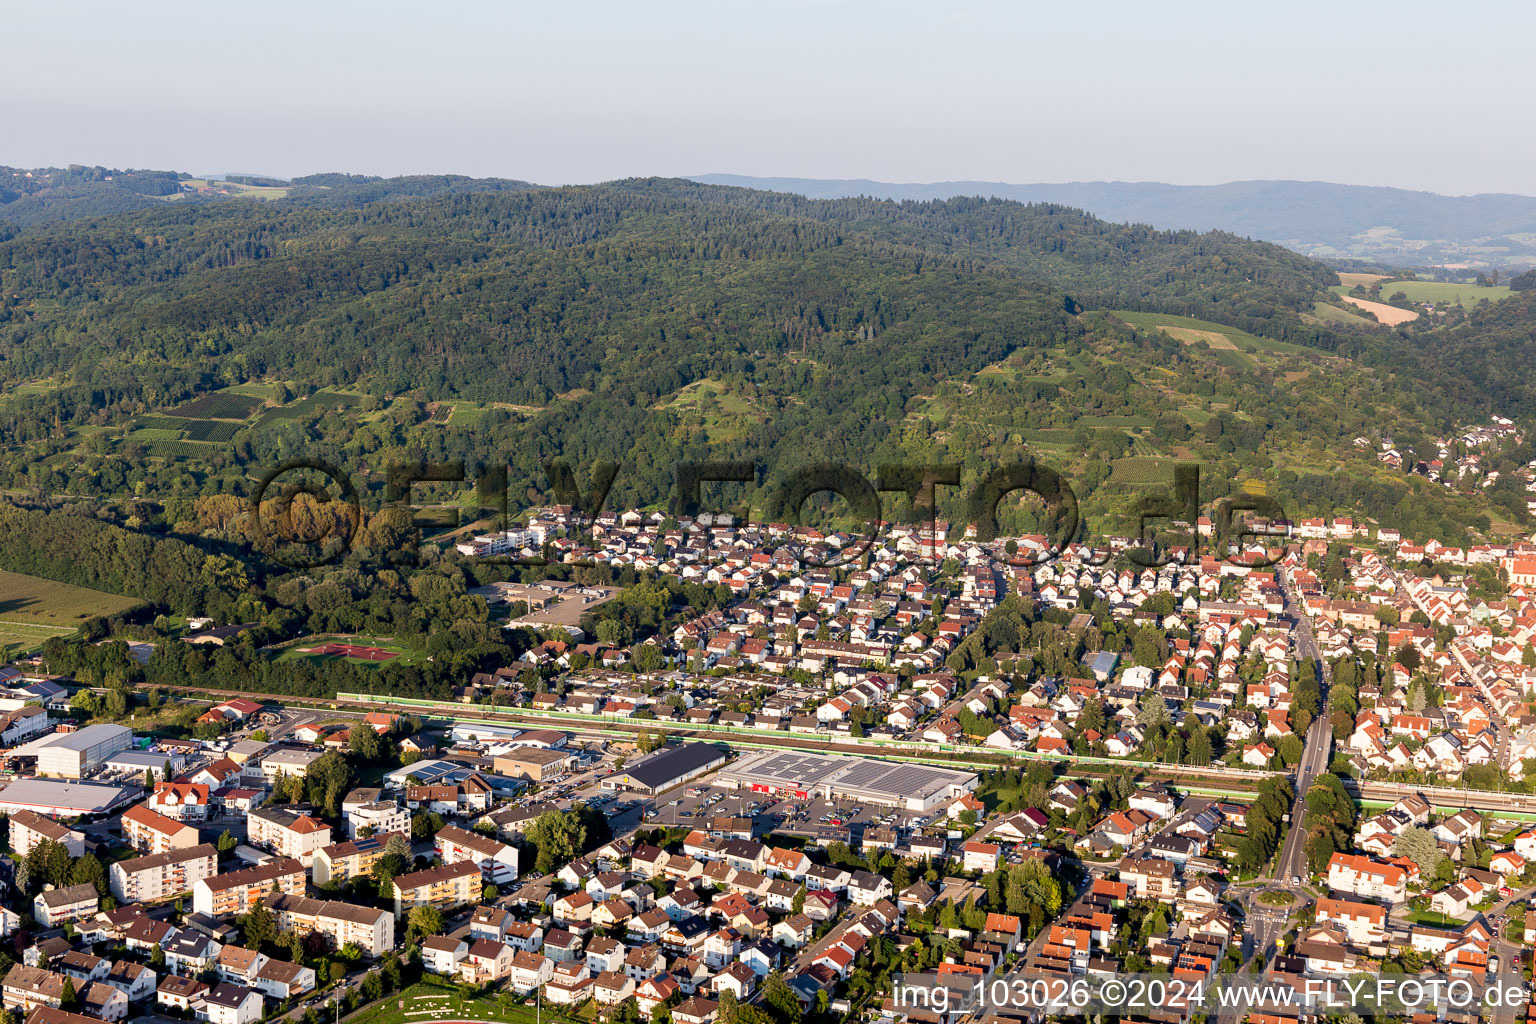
(60, 799)
(667, 768)
(137, 762)
(533, 763)
(912, 787)
(288, 761)
(70, 755)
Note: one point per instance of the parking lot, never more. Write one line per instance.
(697, 804)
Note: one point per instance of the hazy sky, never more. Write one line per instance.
(1413, 95)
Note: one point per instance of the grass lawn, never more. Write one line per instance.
(1188, 329)
(1434, 919)
(1349, 280)
(1326, 313)
(724, 415)
(33, 609)
(428, 1001)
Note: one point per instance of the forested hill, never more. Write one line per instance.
(1367, 222)
(39, 196)
(186, 259)
(180, 349)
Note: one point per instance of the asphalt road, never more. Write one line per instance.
(1317, 748)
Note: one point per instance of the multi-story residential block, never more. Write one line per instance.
(181, 801)
(53, 907)
(447, 885)
(1150, 877)
(496, 860)
(26, 988)
(237, 892)
(1363, 876)
(376, 817)
(28, 828)
(341, 861)
(23, 724)
(150, 832)
(1364, 923)
(162, 876)
(373, 930)
(287, 833)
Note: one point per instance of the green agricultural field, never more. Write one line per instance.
(316, 402)
(211, 430)
(1141, 472)
(175, 423)
(1116, 421)
(221, 405)
(236, 189)
(21, 638)
(33, 609)
(179, 449)
(1438, 293)
(254, 390)
(1229, 345)
(1323, 312)
(155, 434)
(466, 414)
(1187, 328)
(430, 1000)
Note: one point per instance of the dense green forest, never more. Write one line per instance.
(152, 360)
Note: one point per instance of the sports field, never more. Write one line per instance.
(360, 650)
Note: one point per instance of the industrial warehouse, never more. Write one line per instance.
(70, 755)
(912, 787)
(667, 768)
(58, 799)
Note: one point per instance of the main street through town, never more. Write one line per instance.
(1317, 749)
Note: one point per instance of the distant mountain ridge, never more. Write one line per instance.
(1318, 218)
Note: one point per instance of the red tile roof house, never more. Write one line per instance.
(837, 959)
(239, 708)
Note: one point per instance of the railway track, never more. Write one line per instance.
(608, 728)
